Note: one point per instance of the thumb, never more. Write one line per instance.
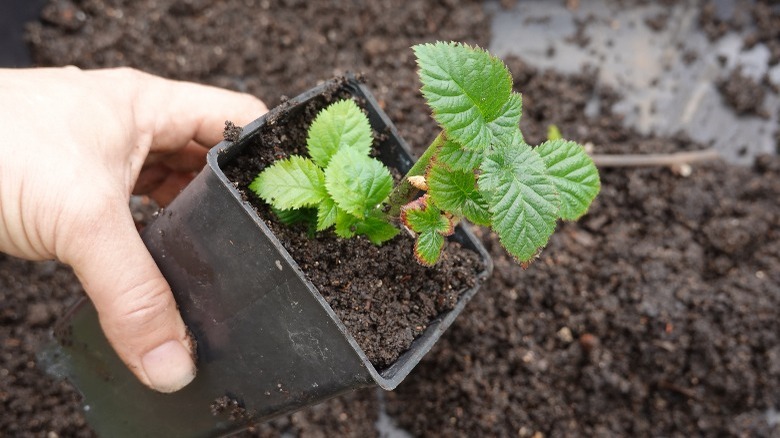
(134, 302)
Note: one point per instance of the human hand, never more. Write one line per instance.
(75, 145)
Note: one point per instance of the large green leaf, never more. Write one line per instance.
(456, 191)
(470, 93)
(456, 157)
(574, 174)
(521, 197)
(357, 182)
(340, 125)
(292, 183)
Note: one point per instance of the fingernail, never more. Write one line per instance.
(169, 367)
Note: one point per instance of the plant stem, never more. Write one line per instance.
(405, 191)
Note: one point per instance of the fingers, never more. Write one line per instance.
(134, 302)
(176, 112)
(170, 188)
(191, 158)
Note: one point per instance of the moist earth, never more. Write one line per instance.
(657, 314)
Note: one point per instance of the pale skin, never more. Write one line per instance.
(75, 145)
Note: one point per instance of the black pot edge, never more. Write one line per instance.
(391, 377)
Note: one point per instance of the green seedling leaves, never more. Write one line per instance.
(456, 191)
(470, 93)
(340, 185)
(326, 214)
(357, 182)
(522, 199)
(574, 174)
(292, 183)
(376, 229)
(290, 217)
(341, 125)
(430, 225)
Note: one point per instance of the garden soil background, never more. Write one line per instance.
(657, 314)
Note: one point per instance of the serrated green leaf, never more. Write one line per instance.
(521, 197)
(422, 217)
(289, 217)
(574, 174)
(456, 191)
(376, 229)
(345, 224)
(326, 214)
(340, 125)
(425, 219)
(456, 157)
(508, 124)
(428, 247)
(357, 182)
(470, 93)
(292, 183)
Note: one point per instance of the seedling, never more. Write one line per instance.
(478, 167)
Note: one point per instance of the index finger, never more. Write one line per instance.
(176, 112)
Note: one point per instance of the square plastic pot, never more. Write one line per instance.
(266, 337)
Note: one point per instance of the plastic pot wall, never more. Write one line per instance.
(266, 337)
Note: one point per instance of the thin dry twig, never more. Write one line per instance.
(643, 160)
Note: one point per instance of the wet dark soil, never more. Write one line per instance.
(656, 315)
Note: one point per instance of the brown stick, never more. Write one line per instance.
(642, 160)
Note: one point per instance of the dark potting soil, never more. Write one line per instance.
(761, 18)
(743, 94)
(576, 345)
(381, 294)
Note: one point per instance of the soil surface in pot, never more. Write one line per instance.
(657, 315)
(381, 294)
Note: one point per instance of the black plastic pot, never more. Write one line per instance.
(266, 338)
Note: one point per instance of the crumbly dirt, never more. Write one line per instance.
(761, 19)
(656, 315)
(743, 94)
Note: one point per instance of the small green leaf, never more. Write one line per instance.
(340, 125)
(553, 133)
(425, 219)
(456, 192)
(292, 183)
(470, 93)
(420, 216)
(290, 217)
(345, 224)
(456, 157)
(376, 229)
(326, 214)
(357, 182)
(521, 197)
(574, 174)
(428, 247)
